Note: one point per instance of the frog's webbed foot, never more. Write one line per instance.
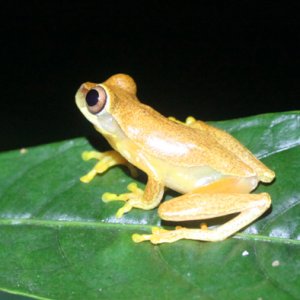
(106, 160)
(133, 198)
(154, 238)
(160, 235)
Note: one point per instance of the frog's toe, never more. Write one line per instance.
(189, 120)
(86, 155)
(175, 120)
(156, 237)
(133, 188)
(133, 198)
(135, 194)
(138, 238)
(89, 176)
(123, 210)
(108, 197)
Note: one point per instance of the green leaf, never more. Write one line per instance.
(60, 241)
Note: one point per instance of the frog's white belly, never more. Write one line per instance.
(184, 179)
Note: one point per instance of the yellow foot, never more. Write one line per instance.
(89, 176)
(160, 235)
(106, 160)
(189, 120)
(134, 196)
(138, 238)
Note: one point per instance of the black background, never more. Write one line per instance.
(197, 58)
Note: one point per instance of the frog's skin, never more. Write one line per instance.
(212, 170)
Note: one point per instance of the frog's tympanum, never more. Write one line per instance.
(212, 170)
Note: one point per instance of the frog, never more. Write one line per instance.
(213, 173)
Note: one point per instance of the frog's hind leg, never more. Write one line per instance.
(107, 160)
(250, 207)
(207, 205)
(234, 146)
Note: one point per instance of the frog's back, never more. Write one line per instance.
(177, 144)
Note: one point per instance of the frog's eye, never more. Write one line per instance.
(95, 99)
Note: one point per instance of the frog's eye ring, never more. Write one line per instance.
(95, 99)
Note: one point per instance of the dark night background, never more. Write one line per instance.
(215, 62)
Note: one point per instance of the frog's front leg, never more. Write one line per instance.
(198, 206)
(107, 160)
(147, 199)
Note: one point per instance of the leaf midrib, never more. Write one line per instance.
(91, 224)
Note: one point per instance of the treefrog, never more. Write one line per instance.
(211, 170)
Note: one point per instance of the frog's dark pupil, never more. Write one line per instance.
(91, 97)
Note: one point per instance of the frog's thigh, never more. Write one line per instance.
(204, 206)
(207, 206)
(223, 197)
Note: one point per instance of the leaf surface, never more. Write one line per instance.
(60, 241)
